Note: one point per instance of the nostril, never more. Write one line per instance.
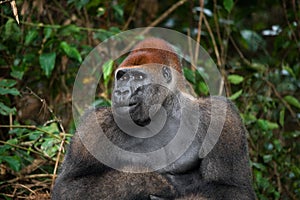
(122, 92)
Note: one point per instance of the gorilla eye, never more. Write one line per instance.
(120, 74)
(138, 76)
(123, 77)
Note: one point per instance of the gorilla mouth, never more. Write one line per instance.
(133, 104)
(126, 107)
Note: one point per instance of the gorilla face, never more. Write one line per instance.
(140, 92)
(149, 99)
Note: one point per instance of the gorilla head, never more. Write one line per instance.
(145, 80)
(141, 91)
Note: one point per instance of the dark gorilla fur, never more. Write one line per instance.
(222, 174)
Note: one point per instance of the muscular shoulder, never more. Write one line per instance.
(91, 124)
(219, 107)
(95, 118)
(223, 115)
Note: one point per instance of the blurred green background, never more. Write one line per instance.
(255, 44)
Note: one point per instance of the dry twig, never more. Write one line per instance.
(15, 10)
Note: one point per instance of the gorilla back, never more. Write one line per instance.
(150, 99)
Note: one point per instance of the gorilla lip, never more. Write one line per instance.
(126, 104)
(122, 109)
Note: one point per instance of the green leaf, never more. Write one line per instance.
(4, 149)
(272, 125)
(189, 75)
(277, 145)
(248, 118)
(70, 51)
(17, 73)
(236, 95)
(267, 158)
(12, 91)
(228, 4)
(107, 70)
(289, 70)
(119, 10)
(5, 110)
(235, 79)
(259, 166)
(103, 34)
(253, 40)
(47, 62)
(47, 32)
(52, 128)
(50, 147)
(34, 135)
(292, 101)
(13, 162)
(30, 36)
(258, 67)
(101, 102)
(19, 132)
(267, 125)
(12, 30)
(7, 83)
(203, 88)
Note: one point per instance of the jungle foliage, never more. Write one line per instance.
(255, 44)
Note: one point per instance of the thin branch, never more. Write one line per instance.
(10, 121)
(88, 24)
(32, 176)
(58, 159)
(62, 136)
(282, 100)
(130, 18)
(288, 23)
(30, 127)
(168, 12)
(245, 60)
(201, 2)
(218, 30)
(190, 49)
(279, 185)
(53, 26)
(20, 147)
(157, 21)
(27, 188)
(216, 50)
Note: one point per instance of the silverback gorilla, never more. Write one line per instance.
(151, 75)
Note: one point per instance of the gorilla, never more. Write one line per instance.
(176, 146)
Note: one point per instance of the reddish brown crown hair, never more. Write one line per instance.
(153, 50)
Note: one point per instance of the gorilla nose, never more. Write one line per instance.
(122, 94)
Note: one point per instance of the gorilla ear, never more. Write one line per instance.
(167, 73)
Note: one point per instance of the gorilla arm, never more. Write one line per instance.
(226, 169)
(224, 173)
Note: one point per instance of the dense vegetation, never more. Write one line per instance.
(256, 45)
